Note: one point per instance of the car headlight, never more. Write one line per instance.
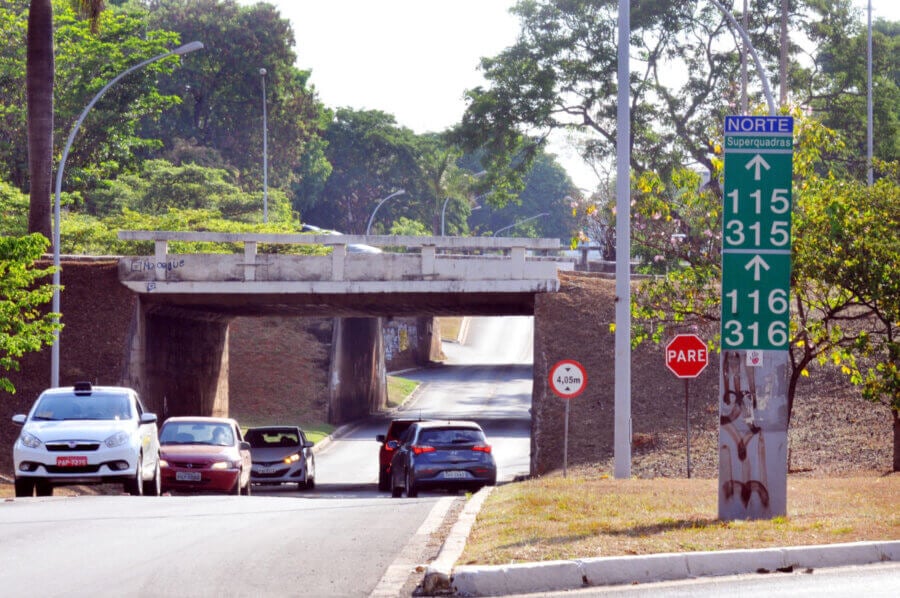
(292, 458)
(224, 465)
(163, 463)
(30, 440)
(117, 439)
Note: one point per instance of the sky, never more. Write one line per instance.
(415, 58)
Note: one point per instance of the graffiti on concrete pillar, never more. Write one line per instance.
(397, 339)
(752, 436)
(736, 419)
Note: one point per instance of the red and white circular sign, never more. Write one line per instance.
(568, 379)
(686, 355)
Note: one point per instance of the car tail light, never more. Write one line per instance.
(482, 448)
(419, 449)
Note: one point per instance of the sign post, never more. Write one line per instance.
(687, 357)
(756, 270)
(568, 380)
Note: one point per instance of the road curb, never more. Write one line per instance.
(438, 574)
(498, 580)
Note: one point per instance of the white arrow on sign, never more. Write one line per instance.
(757, 162)
(758, 263)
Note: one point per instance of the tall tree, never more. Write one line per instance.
(222, 94)
(39, 89)
(371, 157)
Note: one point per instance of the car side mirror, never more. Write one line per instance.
(308, 444)
(379, 437)
(148, 418)
(393, 445)
(19, 419)
(244, 446)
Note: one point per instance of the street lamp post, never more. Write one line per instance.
(262, 76)
(443, 211)
(54, 350)
(514, 224)
(372, 217)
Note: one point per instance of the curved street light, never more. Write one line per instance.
(444, 211)
(372, 217)
(54, 350)
(541, 215)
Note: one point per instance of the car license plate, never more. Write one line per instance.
(455, 475)
(267, 469)
(187, 476)
(70, 461)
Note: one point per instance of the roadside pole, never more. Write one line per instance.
(568, 380)
(686, 357)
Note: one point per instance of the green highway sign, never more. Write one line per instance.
(756, 235)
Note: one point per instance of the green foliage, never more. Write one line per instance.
(161, 185)
(860, 275)
(24, 326)
(406, 227)
(222, 93)
(371, 158)
(13, 211)
(838, 95)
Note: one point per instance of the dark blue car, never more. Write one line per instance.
(450, 455)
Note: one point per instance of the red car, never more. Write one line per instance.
(204, 454)
(386, 453)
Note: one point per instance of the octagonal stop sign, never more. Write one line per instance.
(686, 355)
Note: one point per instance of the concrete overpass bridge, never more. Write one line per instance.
(178, 350)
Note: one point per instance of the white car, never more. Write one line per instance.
(86, 434)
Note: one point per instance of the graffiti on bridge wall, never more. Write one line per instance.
(397, 339)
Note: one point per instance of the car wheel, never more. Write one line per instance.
(42, 488)
(236, 490)
(396, 491)
(411, 490)
(311, 483)
(24, 487)
(246, 489)
(153, 486)
(384, 481)
(135, 486)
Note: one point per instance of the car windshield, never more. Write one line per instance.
(74, 407)
(450, 436)
(272, 438)
(196, 433)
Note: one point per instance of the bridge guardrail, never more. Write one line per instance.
(509, 262)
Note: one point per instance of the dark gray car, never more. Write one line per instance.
(442, 454)
(281, 455)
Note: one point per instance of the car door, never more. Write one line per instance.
(308, 455)
(149, 435)
(244, 450)
(400, 462)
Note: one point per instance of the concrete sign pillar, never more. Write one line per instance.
(756, 272)
(753, 435)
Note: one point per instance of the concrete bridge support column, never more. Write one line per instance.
(185, 365)
(357, 381)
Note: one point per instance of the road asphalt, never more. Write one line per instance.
(443, 577)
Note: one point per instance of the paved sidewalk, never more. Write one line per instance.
(443, 578)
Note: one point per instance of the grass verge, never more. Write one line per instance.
(398, 390)
(584, 516)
